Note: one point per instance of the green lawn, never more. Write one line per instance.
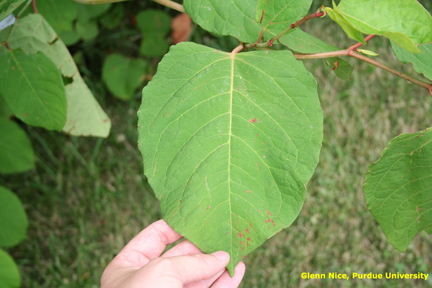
(87, 197)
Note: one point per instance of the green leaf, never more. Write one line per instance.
(153, 45)
(8, 6)
(153, 21)
(16, 152)
(368, 52)
(229, 143)
(241, 18)
(302, 42)
(398, 188)
(154, 25)
(87, 30)
(230, 17)
(85, 117)
(123, 76)
(406, 22)
(60, 14)
(345, 25)
(279, 15)
(33, 89)
(13, 220)
(9, 273)
(90, 12)
(422, 62)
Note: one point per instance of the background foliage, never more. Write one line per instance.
(85, 199)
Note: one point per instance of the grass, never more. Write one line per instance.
(88, 197)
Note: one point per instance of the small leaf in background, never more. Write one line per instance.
(154, 25)
(16, 150)
(87, 30)
(398, 188)
(85, 117)
(13, 220)
(33, 89)
(181, 28)
(406, 22)
(91, 12)
(60, 14)
(229, 143)
(302, 42)
(113, 17)
(123, 76)
(9, 273)
(8, 6)
(422, 62)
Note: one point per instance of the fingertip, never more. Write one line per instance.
(222, 256)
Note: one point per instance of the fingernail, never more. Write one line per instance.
(221, 255)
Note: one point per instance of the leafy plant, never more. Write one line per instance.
(230, 140)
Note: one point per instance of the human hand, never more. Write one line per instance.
(140, 263)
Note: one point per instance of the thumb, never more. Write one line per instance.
(196, 267)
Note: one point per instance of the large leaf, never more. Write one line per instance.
(16, 152)
(302, 42)
(33, 89)
(123, 76)
(8, 6)
(406, 22)
(241, 19)
(13, 220)
(229, 143)
(85, 117)
(398, 188)
(9, 273)
(422, 62)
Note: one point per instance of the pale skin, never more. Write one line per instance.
(140, 263)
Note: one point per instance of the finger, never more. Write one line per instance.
(147, 245)
(192, 268)
(183, 248)
(225, 281)
(206, 282)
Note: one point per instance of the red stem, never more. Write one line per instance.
(34, 6)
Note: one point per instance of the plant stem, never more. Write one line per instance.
(171, 4)
(34, 7)
(294, 25)
(237, 49)
(350, 52)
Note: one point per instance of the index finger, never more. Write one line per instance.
(148, 244)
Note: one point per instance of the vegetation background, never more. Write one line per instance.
(88, 197)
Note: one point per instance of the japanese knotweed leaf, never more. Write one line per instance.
(85, 116)
(241, 18)
(406, 22)
(13, 219)
(33, 89)
(422, 62)
(229, 142)
(398, 188)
